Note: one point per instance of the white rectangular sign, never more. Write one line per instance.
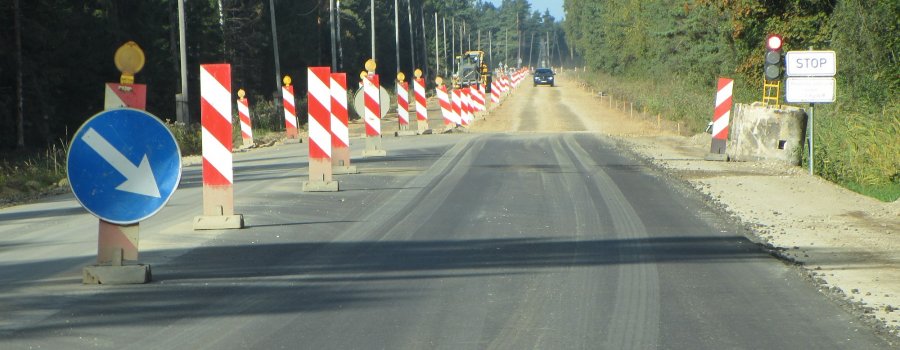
(810, 64)
(809, 90)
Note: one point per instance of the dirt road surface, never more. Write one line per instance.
(845, 243)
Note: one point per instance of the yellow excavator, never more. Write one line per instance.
(472, 70)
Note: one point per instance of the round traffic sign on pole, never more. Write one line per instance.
(123, 165)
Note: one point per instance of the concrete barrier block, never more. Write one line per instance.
(760, 132)
(320, 186)
(125, 274)
(344, 170)
(223, 222)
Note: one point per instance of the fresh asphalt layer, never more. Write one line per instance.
(461, 241)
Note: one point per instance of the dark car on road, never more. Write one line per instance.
(543, 76)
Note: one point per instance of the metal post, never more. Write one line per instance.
(506, 47)
(810, 127)
(437, 59)
(337, 25)
(490, 48)
(331, 17)
(424, 43)
(372, 21)
(181, 100)
(453, 47)
(412, 38)
(277, 94)
(397, 33)
(444, 20)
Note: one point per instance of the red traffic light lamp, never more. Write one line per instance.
(773, 42)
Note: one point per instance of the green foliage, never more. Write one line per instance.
(668, 55)
(24, 175)
(188, 137)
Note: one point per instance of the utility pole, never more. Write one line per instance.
(397, 33)
(20, 111)
(519, 41)
(490, 48)
(479, 39)
(181, 100)
(331, 17)
(412, 38)
(437, 46)
(338, 26)
(445, 45)
(453, 45)
(424, 43)
(531, 51)
(372, 19)
(506, 47)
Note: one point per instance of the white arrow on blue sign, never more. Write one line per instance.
(123, 165)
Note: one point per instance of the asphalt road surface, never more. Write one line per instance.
(456, 241)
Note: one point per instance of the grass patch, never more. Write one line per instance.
(856, 145)
(884, 192)
(27, 175)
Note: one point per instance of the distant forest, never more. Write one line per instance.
(66, 49)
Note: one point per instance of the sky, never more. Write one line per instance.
(555, 7)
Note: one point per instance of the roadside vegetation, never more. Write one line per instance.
(667, 58)
(24, 176)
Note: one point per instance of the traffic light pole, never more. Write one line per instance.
(809, 126)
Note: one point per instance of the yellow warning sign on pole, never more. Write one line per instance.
(129, 60)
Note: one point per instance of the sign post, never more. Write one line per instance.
(810, 79)
(123, 166)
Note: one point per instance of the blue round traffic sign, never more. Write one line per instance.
(123, 165)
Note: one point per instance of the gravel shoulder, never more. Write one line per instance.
(845, 243)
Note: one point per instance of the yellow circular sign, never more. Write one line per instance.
(418, 73)
(370, 65)
(241, 93)
(287, 80)
(439, 81)
(363, 75)
(401, 76)
(129, 58)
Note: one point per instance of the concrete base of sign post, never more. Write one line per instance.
(218, 222)
(716, 157)
(108, 274)
(290, 141)
(373, 147)
(405, 133)
(320, 186)
(344, 170)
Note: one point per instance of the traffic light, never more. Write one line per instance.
(772, 68)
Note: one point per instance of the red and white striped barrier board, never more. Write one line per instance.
(340, 131)
(421, 104)
(721, 115)
(495, 93)
(372, 100)
(403, 104)
(218, 175)
(467, 106)
(478, 99)
(131, 96)
(318, 99)
(456, 105)
(446, 107)
(290, 113)
(243, 106)
(373, 106)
